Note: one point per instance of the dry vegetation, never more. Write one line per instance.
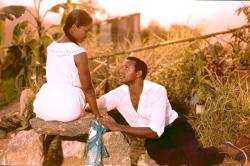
(210, 72)
(214, 72)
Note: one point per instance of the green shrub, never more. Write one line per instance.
(245, 56)
(27, 115)
(8, 91)
(227, 111)
(183, 79)
(207, 75)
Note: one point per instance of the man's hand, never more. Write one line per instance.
(143, 132)
(103, 113)
(109, 123)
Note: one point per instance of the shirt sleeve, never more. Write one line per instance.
(77, 50)
(109, 101)
(159, 111)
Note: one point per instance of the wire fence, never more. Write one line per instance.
(166, 43)
(158, 56)
(105, 66)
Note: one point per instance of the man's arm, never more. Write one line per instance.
(144, 132)
(106, 102)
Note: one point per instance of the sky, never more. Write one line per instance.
(212, 16)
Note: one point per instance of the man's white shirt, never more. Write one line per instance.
(154, 110)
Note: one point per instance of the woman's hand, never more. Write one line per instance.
(101, 112)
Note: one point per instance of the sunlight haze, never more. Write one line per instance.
(210, 15)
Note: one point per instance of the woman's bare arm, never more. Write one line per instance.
(81, 61)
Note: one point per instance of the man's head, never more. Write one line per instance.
(133, 68)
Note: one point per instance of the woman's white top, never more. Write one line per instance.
(61, 97)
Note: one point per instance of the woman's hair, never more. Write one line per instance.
(78, 17)
(139, 65)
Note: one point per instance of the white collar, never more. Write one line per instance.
(146, 87)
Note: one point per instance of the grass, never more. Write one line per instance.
(227, 112)
(109, 67)
(227, 99)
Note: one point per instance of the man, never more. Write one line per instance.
(145, 106)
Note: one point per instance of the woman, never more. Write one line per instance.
(62, 97)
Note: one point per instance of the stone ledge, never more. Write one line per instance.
(74, 128)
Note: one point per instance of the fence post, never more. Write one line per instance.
(107, 87)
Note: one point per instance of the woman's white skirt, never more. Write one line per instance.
(60, 102)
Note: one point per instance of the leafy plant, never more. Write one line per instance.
(7, 94)
(27, 115)
(227, 112)
(32, 38)
(245, 56)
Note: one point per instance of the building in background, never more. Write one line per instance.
(120, 31)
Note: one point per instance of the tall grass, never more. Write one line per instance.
(227, 112)
(153, 57)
